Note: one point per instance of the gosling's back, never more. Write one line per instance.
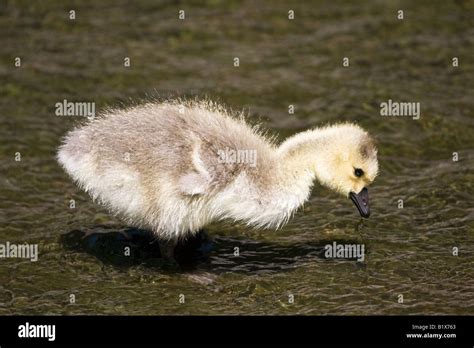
(132, 160)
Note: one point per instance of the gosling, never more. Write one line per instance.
(174, 167)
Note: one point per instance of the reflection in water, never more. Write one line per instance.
(132, 246)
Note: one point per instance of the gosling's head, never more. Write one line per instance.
(348, 163)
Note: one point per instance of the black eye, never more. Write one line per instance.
(358, 172)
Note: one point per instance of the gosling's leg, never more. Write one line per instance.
(167, 248)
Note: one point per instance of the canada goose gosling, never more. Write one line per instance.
(175, 167)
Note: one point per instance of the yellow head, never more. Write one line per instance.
(346, 162)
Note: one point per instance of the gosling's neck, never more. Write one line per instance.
(301, 157)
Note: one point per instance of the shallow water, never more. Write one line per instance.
(282, 62)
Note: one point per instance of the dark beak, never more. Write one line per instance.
(361, 201)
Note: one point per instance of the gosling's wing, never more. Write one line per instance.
(193, 184)
(197, 180)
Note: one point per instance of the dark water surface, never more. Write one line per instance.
(409, 251)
